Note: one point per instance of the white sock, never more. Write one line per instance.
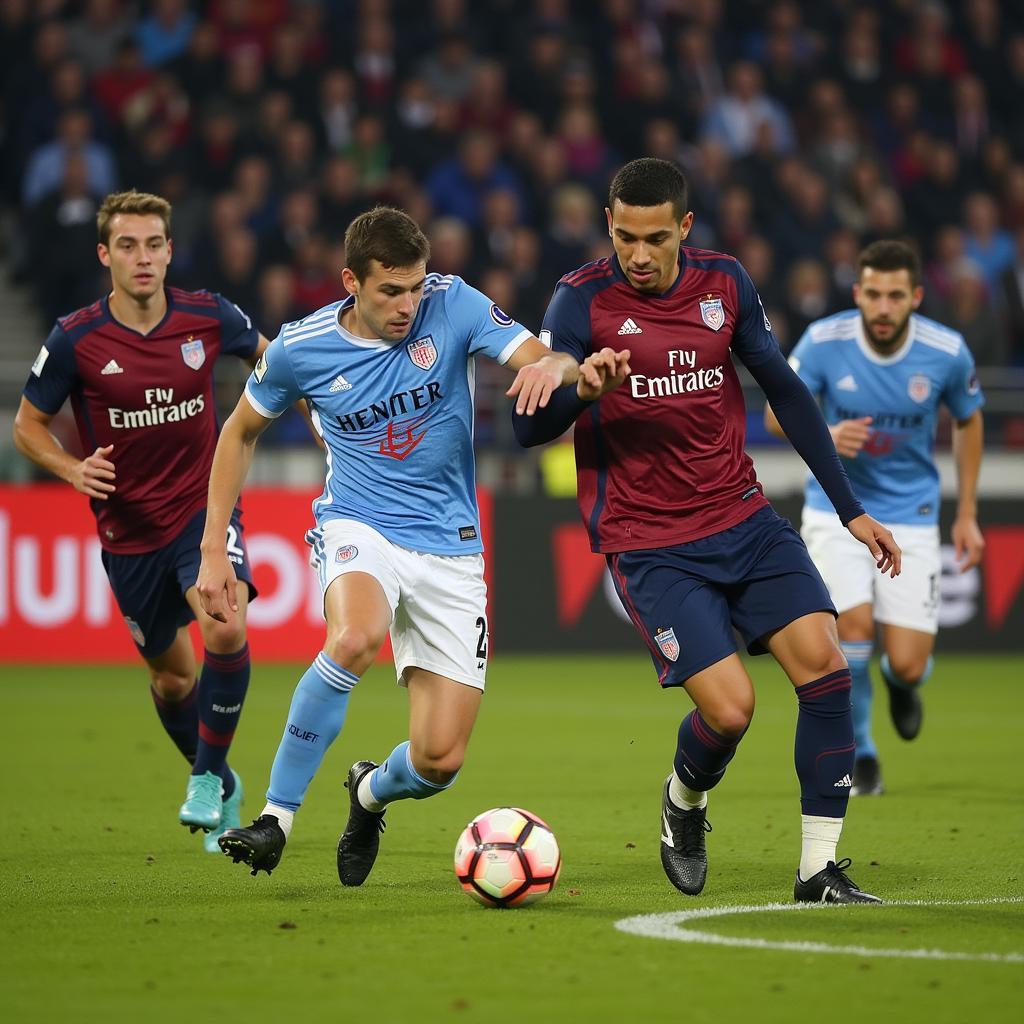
(820, 839)
(283, 815)
(683, 797)
(365, 795)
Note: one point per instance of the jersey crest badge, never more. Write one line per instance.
(422, 352)
(712, 313)
(667, 637)
(919, 387)
(193, 352)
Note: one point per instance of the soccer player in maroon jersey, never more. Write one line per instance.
(670, 498)
(138, 368)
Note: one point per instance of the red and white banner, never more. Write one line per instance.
(56, 604)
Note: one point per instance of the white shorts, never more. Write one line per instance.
(438, 602)
(911, 600)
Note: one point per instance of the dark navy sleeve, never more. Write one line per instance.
(54, 374)
(238, 336)
(752, 339)
(566, 328)
(801, 419)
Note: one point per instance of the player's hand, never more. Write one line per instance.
(601, 372)
(94, 475)
(849, 436)
(535, 383)
(880, 542)
(968, 541)
(217, 585)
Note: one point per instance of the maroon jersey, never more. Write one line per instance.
(660, 460)
(151, 397)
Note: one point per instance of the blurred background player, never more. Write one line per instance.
(670, 497)
(882, 371)
(397, 543)
(138, 368)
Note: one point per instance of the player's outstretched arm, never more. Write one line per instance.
(968, 442)
(93, 476)
(879, 541)
(217, 582)
(539, 373)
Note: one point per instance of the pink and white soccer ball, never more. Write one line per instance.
(507, 857)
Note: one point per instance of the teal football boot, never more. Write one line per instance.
(230, 817)
(202, 806)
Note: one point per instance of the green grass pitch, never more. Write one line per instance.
(110, 910)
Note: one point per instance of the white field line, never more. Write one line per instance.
(673, 926)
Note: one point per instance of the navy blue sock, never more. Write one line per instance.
(702, 754)
(180, 720)
(222, 686)
(824, 749)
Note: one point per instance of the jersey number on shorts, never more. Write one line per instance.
(235, 552)
(481, 644)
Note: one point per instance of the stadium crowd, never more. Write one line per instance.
(808, 130)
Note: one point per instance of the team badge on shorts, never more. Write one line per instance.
(919, 387)
(347, 553)
(136, 631)
(193, 353)
(712, 313)
(668, 643)
(422, 352)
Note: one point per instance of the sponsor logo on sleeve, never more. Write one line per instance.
(545, 338)
(973, 384)
(37, 366)
(500, 317)
(260, 368)
(193, 352)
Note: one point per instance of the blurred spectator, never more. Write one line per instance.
(758, 259)
(807, 296)
(985, 242)
(933, 199)
(971, 121)
(95, 35)
(288, 68)
(734, 118)
(448, 71)
(572, 230)
(588, 156)
(1012, 293)
(200, 68)
(493, 239)
(342, 199)
(46, 166)
(337, 110)
(458, 186)
(295, 162)
(62, 241)
(864, 179)
(216, 145)
(861, 68)
(967, 309)
(119, 83)
(451, 246)
(165, 33)
(370, 152)
(487, 107)
(276, 304)
(697, 74)
(236, 267)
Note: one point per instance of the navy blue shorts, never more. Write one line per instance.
(150, 588)
(685, 600)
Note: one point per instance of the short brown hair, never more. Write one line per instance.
(389, 236)
(131, 202)
(891, 254)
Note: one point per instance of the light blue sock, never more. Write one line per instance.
(907, 684)
(315, 718)
(858, 655)
(396, 779)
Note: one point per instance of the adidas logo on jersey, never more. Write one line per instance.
(111, 367)
(339, 384)
(846, 383)
(629, 327)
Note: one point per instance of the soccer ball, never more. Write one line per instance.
(507, 857)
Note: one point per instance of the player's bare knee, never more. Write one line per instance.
(824, 659)
(438, 768)
(731, 722)
(353, 647)
(224, 637)
(908, 667)
(171, 686)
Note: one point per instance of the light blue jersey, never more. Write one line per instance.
(894, 474)
(396, 417)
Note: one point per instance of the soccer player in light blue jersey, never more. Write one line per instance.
(881, 372)
(388, 373)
